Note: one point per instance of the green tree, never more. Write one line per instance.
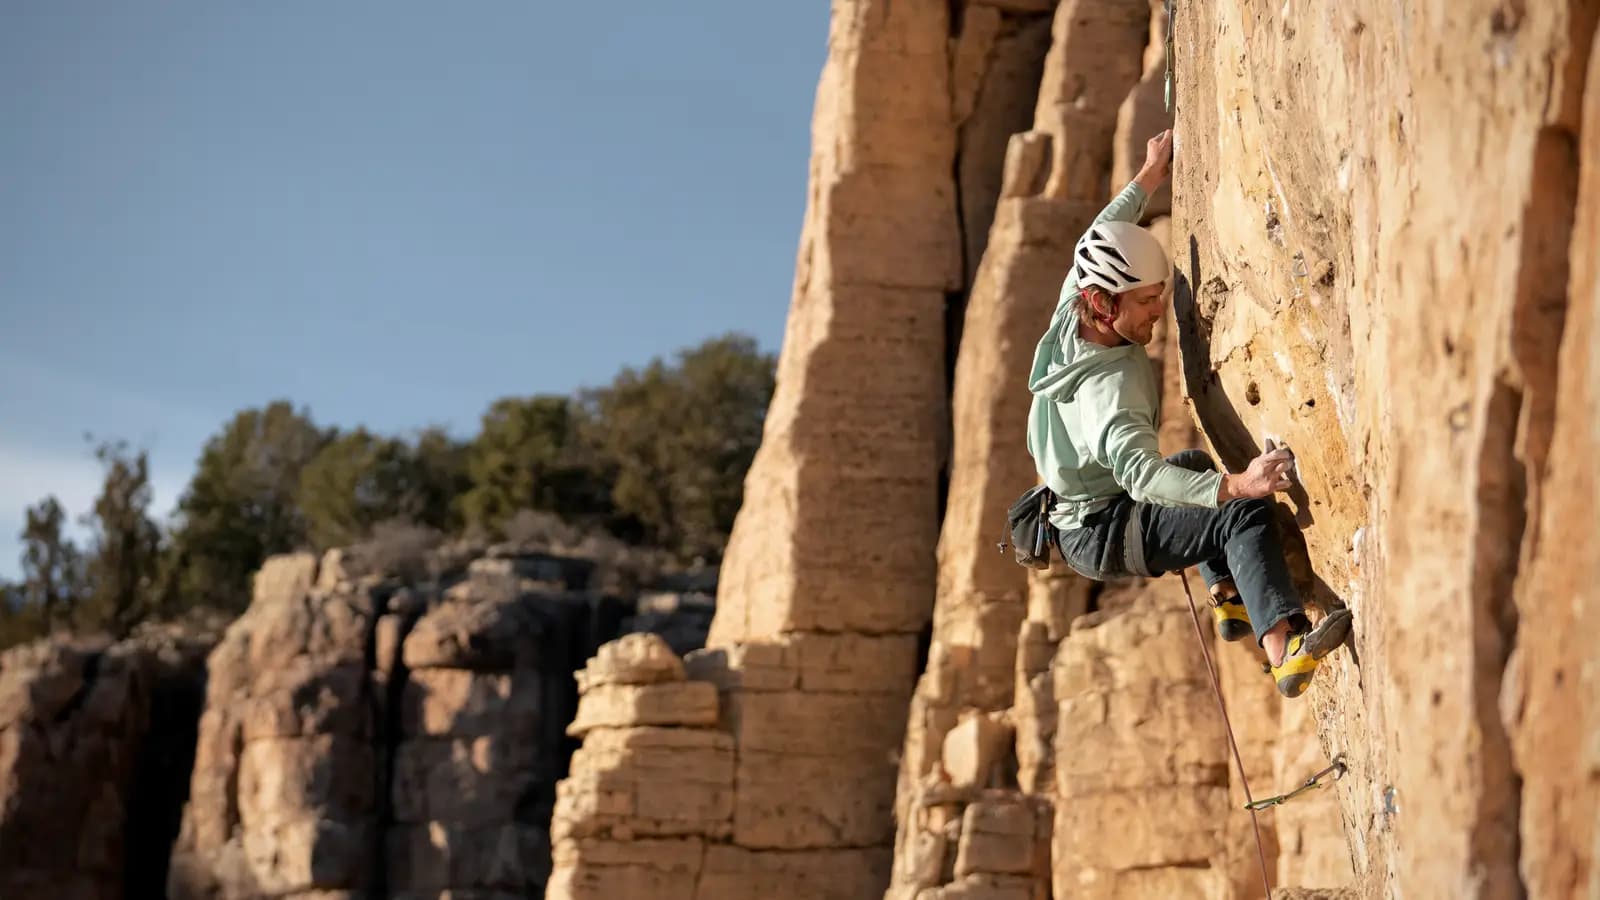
(240, 507)
(19, 622)
(678, 440)
(528, 455)
(353, 482)
(124, 560)
(361, 479)
(441, 480)
(52, 566)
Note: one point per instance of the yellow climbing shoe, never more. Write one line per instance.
(1233, 622)
(1294, 675)
(1305, 649)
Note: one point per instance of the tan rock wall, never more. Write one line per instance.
(650, 785)
(465, 751)
(982, 596)
(846, 458)
(694, 809)
(70, 721)
(1380, 201)
(284, 789)
(964, 666)
(1144, 113)
(1553, 677)
(998, 62)
(831, 560)
(1138, 743)
(96, 739)
(1312, 850)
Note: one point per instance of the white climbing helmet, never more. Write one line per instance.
(1119, 256)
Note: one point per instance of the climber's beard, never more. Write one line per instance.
(1137, 314)
(1140, 333)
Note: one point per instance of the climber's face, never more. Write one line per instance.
(1138, 311)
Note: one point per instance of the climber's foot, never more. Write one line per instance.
(1294, 674)
(1330, 633)
(1301, 657)
(1233, 622)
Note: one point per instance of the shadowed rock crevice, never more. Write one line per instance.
(1499, 529)
(162, 771)
(1217, 413)
(386, 698)
(88, 673)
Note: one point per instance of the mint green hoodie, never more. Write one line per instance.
(1092, 427)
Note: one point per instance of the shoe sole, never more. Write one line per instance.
(1233, 622)
(1233, 630)
(1295, 685)
(1329, 634)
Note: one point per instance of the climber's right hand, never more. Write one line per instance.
(1267, 474)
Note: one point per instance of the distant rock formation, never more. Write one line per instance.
(96, 740)
(355, 732)
(365, 736)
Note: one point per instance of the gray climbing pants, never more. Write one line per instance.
(1237, 540)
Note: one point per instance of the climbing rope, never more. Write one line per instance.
(1216, 687)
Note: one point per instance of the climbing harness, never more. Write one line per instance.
(1337, 770)
(1216, 687)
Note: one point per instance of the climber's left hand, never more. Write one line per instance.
(1157, 162)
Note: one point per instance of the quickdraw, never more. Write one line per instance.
(1337, 769)
(1170, 29)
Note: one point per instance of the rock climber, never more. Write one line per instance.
(1122, 509)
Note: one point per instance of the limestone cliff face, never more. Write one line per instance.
(1389, 263)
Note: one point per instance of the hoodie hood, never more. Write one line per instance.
(1063, 361)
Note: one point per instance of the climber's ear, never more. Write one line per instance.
(1102, 303)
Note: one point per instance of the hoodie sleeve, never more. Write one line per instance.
(1124, 441)
(1127, 206)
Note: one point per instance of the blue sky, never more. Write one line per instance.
(391, 213)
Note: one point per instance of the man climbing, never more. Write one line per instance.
(1124, 510)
